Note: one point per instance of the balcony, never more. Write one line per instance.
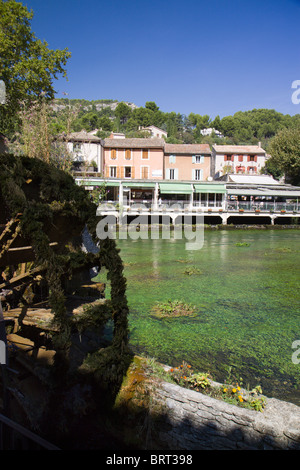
(172, 206)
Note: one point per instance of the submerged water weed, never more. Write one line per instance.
(173, 308)
(192, 270)
(252, 327)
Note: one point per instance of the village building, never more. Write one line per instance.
(86, 150)
(187, 162)
(237, 159)
(133, 158)
(137, 162)
(154, 131)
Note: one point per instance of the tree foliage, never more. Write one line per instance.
(244, 127)
(285, 154)
(27, 65)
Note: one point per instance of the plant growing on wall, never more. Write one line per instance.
(45, 199)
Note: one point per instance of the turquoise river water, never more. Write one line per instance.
(247, 300)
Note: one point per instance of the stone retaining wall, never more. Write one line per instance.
(194, 421)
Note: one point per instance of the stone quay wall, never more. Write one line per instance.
(195, 421)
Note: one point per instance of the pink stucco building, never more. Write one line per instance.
(133, 158)
(189, 162)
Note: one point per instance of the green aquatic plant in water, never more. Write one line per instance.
(173, 308)
(192, 270)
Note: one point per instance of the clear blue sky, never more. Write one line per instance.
(212, 57)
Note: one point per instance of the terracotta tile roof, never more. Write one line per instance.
(239, 149)
(82, 136)
(134, 143)
(187, 149)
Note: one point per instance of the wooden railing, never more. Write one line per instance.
(13, 436)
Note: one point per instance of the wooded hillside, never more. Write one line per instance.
(244, 127)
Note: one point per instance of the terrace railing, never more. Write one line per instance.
(227, 206)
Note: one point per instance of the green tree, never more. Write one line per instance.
(105, 123)
(27, 65)
(123, 112)
(285, 154)
(152, 106)
(89, 121)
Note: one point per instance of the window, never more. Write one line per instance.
(145, 155)
(112, 171)
(172, 173)
(199, 159)
(228, 158)
(252, 169)
(127, 154)
(113, 154)
(144, 172)
(172, 159)
(197, 175)
(240, 169)
(76, 147)
(241, 158)
(127, 171)
(252, 158)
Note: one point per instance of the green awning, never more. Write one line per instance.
(175, 188)
(210, 188)
(135, 184)
(112, 183)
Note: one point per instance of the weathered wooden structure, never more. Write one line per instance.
(52, 313)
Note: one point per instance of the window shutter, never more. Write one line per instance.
(193, 159)
(167, 173)
(132, 171)
(107, 171)
(193, 174)
(175, 173)
(122, 171)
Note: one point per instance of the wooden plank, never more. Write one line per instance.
(21, 277)
(20, 254)
(28, 434)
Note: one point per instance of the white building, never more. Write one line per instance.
(154, 131)
(86, 148)
(237, 159)
(211, 130)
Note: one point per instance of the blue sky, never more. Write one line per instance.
(212, 57)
